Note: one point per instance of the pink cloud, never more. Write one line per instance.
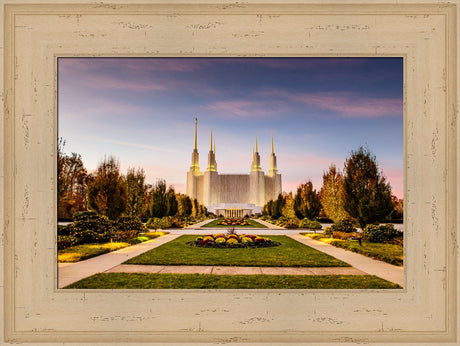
(132, 64)
(349, 104)
(244, 108)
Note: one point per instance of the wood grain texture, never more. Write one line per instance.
(35, 34)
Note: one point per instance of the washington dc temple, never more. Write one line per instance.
(232, 195)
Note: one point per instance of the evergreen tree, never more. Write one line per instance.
(277, 206)
(136, 190)
(306, 202)
(172, 202)
(367, 194)
(107, 191)
(159, 200)
(332, 195)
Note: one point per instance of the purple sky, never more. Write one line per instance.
(142, 110)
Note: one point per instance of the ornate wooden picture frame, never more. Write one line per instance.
(35, 34)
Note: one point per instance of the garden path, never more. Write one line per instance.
(72, 272)
(224, 270)
(368, 265)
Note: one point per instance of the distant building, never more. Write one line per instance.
(232, 195)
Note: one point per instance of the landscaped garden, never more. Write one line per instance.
(290, 253)
(210, 281)
(382, 242)
(91, 235)
(226, 223)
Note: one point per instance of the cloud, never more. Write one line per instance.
(347, 104)
(247, 108)
(124, 143)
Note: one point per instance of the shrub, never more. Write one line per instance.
(343, 226)
(380, 233)
(328, 230)
(345, 235)
(63, 230)
(157, 223)
(89, 227)
(310, 224)
(129, 223)
(65, 241)
(287, 222)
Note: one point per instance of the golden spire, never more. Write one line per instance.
(214, 146)
(257, 150)
(210, 149)
(272, 142)
(196, 121)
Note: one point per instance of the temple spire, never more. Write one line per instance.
(272, 144)
(196, 125)
(257, 150)
(214, 146)
(273, 169)
(211, 141)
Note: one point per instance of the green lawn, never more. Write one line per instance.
(252, 224)
(81, 252)
(209, 281)
(390, 253)
(289, 254)
(84, 251)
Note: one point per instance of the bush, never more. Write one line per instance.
(287, 222)
(381, 233)
(63, 230)
(343, 226)
(128, 227)
(89, 227)
(310, 224)
(345, 235)
(328, 230)
(157, 223)
(65, 241)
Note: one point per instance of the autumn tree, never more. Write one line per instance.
(367, 195)
(72, 182)
(306, 202)
(159, 200)
(288, 207)
(107, 193)
(332, 195)
(136, 192)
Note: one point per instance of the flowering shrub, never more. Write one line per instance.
(232, 241)
(234, 222)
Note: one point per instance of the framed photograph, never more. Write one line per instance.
(36, 36)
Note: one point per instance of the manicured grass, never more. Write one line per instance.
(84, 251)
(252, 224)
(209, 281)
(290, 253)
(390, 253)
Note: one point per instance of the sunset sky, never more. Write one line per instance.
(142, 110)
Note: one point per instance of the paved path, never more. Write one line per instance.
(221, 270)
(72, 272)
(368, 265)
(111, 262)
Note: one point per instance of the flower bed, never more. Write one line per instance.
(234, 222)
(232, 241)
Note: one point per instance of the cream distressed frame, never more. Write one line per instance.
(34, 34)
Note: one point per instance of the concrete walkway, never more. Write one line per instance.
(368, 265)
(72, 272)
(111, 262)
(221, 270)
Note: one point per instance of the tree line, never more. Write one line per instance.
(361, 194)
(110, 193)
